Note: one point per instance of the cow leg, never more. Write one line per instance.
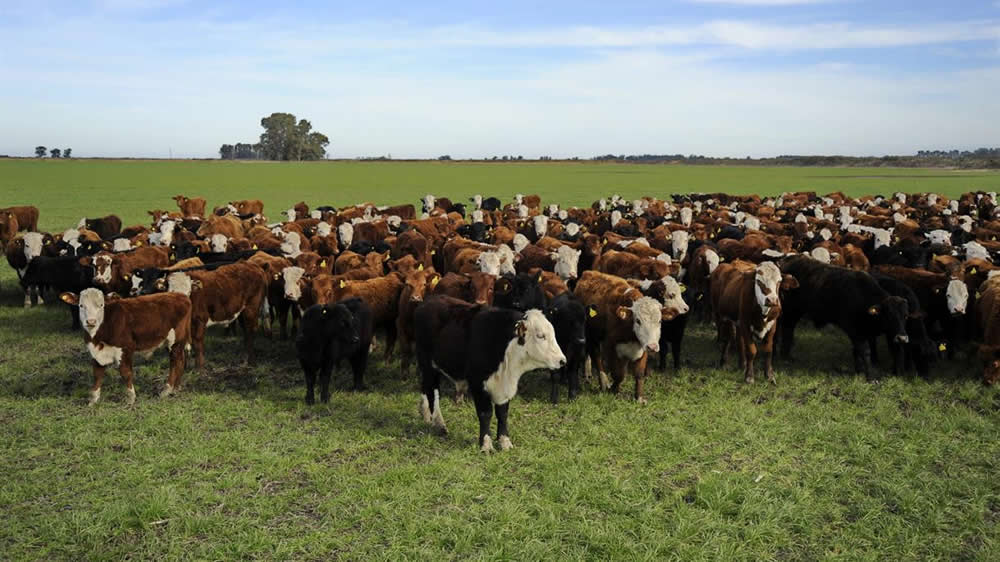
(617, 366)
(573, 375)
(249, 323)
(638, 372)
(281, 311)
(873, 347)
(95, 391)
(675, 350)
(896, 353)
(862, 361)
(27, 297)
(748, 350)
(484, 411)
(430, 401)
(198, 339)
(723, 337)
(767, 348)
(405, 347)
(390, 340)
(127, 373)
(554, 376)
(177, 361)
(325, 372)
(310, 375)
(38, 295)
(358, 365)
(502, 435)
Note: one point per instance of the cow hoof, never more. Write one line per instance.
(772, 380)
(130, 392)
(95, 395)
(425, 409)
(487, 446)
(605, 382)
(167, 391)
(748, 380)
(505, 444)
(642, 401)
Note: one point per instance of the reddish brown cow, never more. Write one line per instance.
(190, 207)
(631, 266)
(382, 295)
(27, 217)
(8, 228)
(115, 329)
(418, 285)
(476, 288)
(248, 206)
(113, 272)
(988, 309)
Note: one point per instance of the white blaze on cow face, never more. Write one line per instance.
(520, 242)
(818, 212)
(766, 281)
(825, 234)
(219, 243)
(602, 204)
(616, 216)
(290, 246)
(519, 199)
(563, 215)
(975, 250)
(33, 242)
(686, 216)
(637, 207)
(316, 214)
(828, 201)
(957, 296)
(679, 244)
(553, 209)
(954, 206)
(572, 229)
(712, 259)
(646, 316)
(740, 217)
(522, 211)
(898, 217)
(539, 351)
(91, 302)
(478, 201)
(122, 245)
(291, 277)
(820, 254)
(882, 237)
(567, 260)
(136, 284)
(965, 223)
(665, 258)
(428, 202)
(489, 262)
(477, 216)
(290, 215)
(323, 229)
(673, 298)
(72, 237)
(801, 217)
(932, 199)
(165, 236)
(541, 225)
(346, 234)
(752, 223)
(179, 282)
(102, 269)
(901, 197)
(939, 237)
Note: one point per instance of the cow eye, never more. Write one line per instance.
(541, 336)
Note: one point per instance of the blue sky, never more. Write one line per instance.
(714, 77)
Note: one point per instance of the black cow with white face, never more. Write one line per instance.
(851, 300)
(484, 347)
(330, 333)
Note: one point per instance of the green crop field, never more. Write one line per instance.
(823, 465)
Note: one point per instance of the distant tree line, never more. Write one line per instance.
(284, 138)
(40, 152)
(979, 158)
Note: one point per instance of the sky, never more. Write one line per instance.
(155, 78)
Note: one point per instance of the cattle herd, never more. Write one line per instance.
(485, 292)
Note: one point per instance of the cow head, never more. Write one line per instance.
(537, 347)
(91, 303)
(103, 264)
(541, 224)
(419, 282)
(891, 314)
(673, 299)
(489, 262)
(290, 245)
(291, 215)
(679, 244)
(711, 259)
(990, 354)
(820, 254)
(645, 314)
(566, 259)
(482, 286)
(686, 215)
(346, 234)
(523, 292)
(957, 296)
(767, 278)
(293, 282)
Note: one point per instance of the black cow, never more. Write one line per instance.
(477, 232)
(484, 347)
(671, 331)
(331, 332)
(105, 227)
(364, 247)
(851, 300)
(60, 274)
(491, 204)
(920, 351)
(520, 292)
(568, 317)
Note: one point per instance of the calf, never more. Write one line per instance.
(63, 273)
(674, 296)
(417, 286)
(190, 207)
(331, 332)
(20, 252)
(568, 317)
(487, 348)
(746, 304)
(26, 215)
(851, 300)
(105, 227)
(625, 326)
(113, 272)
(114, 329)
(248, 207)
(220, 297)
(382, 295)
(9, 227)
(920, 350)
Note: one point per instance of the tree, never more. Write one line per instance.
(55, 152)
(67, 152)
(226, 151)
(285, 139)
(40, 151)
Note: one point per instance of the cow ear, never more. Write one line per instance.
(789, 282)
(521, 330)
(112, 297)
(623, 312)
(873, 310)
(196, 285)
(70, 298)
(503, 286)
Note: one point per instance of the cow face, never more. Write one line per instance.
(180, 282)
(477, 200)
(91, 303)
(481, 287)
(293, 282)
(957, 296)
(342, 323)
(673, 299)
(323, 229)
(520, 242)
(33, 243)
(290, 215)
(427, 203)
(566, 259)
(645, 315)
(489, 262)
(686, 215)
(103, 263)
(892, 314)
(418, 283)
(346, 234)
(536, 340)
(219, 243)
(820, 254)
(712, 260)
(290, 246)
(942, 237)
(767, 277)
(541, 224)
(679, 244)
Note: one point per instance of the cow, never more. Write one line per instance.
(105, 227)
(113, 272)
(20, 252)
(381, 294)
(476, 288)
(625, 326)
(115, 329)
(60, 273)
(520, 292)
(631, 266)
(568, 317)
(220, 297)
(9, 227)
(417, 285)
(488, 349)
(851, 300)
(190, 207)
(563, 261)
(920, 350)
(746, 303)
(248, 207)
(988, 312)
(674, 296)
(26, 215)
(330, 333)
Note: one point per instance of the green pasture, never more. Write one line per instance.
(822, 466)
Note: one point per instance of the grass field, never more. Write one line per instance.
(824, 465)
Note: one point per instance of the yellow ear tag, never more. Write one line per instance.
(942, 347)
(972, 271)
(420, 267)
(978, 294)
(683, 288)
(722, 258)
(342, 284)
(254, 246)
(433, 252)
(434, 282)
(139, 243)
(593, 312)
(322, 263)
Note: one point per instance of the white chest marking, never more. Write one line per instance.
(630, 350)
(223, 322)
(105, 355)
(763, 331)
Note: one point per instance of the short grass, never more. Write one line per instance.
(824, 465)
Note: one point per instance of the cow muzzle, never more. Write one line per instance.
(653, 347)
(91, 323)
(902, 339)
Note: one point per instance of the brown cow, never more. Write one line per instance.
(228, 226)
(631, 266)
(624, 326)
(190, 207)
(746, 304)
(381, 294)
(8, 228)
(220, 297)
(115, 329)
(418, 285)
(113, 272)
(988, 308)
(475, 288)
(27, 217)
(248, 206)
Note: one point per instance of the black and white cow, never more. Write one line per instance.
(485, 347)
(331, 332)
